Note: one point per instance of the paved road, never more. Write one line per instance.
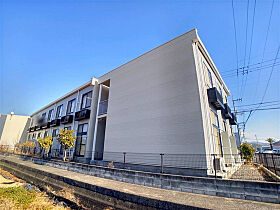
(189, 199)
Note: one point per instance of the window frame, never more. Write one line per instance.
(82, 100)
(79, 142)
(59, 109)
(50, 114)
(72, 102)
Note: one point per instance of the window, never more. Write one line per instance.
(216, 132)
(71, 106)
(81, 140)
(221, 92)
(210, 77)
(67, 128)
(214, 119)
(46, 134)
(33, 136)
(225, 125)
(55, 133)
(59, 111)
(39, 135)
(86, 100)
(44, 115)
(50, 115)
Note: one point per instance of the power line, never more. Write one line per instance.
(265, 43)
(254, 64)
(267, 102)
(265, 87)
(235, 37)
(251, 42)
(253, 69)
(252, 110)
(243, 71)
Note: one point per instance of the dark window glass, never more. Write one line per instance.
(210, 77)
(59, 111)
(86, 100)
(71, 106)
(81, 140)
(50, 115)
(55, 133)
(45, 134)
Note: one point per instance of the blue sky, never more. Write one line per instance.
(47, 48)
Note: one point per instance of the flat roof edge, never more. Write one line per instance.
(91, 82)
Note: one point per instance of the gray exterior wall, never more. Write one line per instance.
(154, 103)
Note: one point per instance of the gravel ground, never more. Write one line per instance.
(250, 172)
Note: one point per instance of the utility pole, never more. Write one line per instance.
(235, 111)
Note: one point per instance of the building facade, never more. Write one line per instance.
(170, 100)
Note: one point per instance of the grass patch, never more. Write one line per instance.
(18, 195)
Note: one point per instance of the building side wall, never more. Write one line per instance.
(154, 104)
(14, 130)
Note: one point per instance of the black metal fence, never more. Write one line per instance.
(184, 164)
(269, 160)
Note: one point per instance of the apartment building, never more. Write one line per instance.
(170, 100)
(13, 129)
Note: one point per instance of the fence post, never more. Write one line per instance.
(124, 159)
(161, 163)
(215, 169)
(266, 161)
(273, 163)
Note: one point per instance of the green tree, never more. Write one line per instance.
(270, 141)
(66, 139)
(247, 151)
(46, 143)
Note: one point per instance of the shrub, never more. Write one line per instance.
(247, 151)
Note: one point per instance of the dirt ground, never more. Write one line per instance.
(250, 172)
(4, 183)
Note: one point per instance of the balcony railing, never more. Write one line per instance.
(227, 112)
(45, 125)
(37, 127)
(55, 122)
(215, 98)
(103, 107)
(32, 129)
(233, 120)
(83, 114)
(66, 119)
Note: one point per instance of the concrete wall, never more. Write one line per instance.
(13, 129)
(249, 190)
(154, 104)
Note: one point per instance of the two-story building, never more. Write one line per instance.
(171, 100)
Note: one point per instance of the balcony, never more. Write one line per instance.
(37, 127)
(45, 125)
(32, 129)
(215, 98)
(233, 120)
(103, 106)
(66, 119)
(55, 122)
(83, 114)
(227, 112)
